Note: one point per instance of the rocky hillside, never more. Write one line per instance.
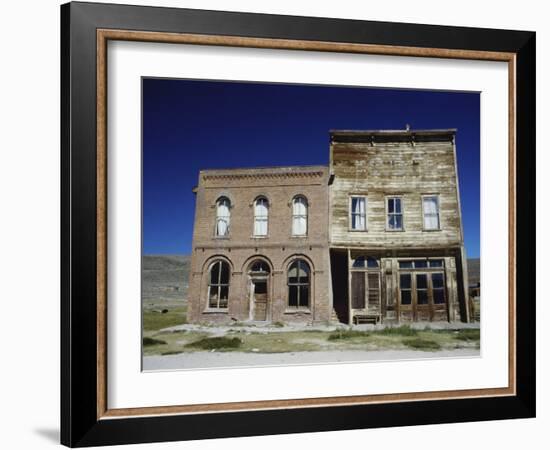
(165, 277)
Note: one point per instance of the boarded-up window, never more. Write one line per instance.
(374, 288)
(358, 290)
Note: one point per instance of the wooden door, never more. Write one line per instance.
(260, 298)
(439, 297)
(421, 300)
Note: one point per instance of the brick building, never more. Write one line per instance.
(375, 236)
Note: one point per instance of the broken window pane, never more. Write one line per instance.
(358, 290)
(405, 297)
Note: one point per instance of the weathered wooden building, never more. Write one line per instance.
(395, 232)
(375, 236)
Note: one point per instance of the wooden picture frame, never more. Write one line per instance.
(85, 417)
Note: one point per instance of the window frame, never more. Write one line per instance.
(219, 285)
(298, 308)
(217, 218)
(402, 213)
(437, 197)
(351, 213)
(295, 216)
(255, 217)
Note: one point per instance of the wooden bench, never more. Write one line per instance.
(366, 318)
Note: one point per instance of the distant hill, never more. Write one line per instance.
(165, 277)
(473, 271)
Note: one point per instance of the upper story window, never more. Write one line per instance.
(223, 214)
(394, 207)
(261, 210)
(358, 213)
(430, 212)
(299, 216)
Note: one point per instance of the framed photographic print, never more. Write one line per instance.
(276, 224)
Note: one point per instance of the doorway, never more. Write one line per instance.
(259, 276)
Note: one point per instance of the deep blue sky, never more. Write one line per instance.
(191, 125)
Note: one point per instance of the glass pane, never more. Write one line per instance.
(390, 205)
(293, 296)
(422, 281)
(303, 273)
(397, 205)
(437, 280)
(299, 206)
(398, 222)
(224, 279)
(430, 205)
(260, 266)
(405, 264)
(224, 292)
(215, 273)
(431, 222)
(359, 262)
(260, 287)
(422, 297)
(372, 263)
(213, 300)
(439, 296)
(392, 222)
(421, 263)
(405, 281)
(436, 263)
(405, 297)
(304, 296)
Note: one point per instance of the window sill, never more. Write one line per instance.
(352, 230)
(389, 230)
(215, 311)
(298, 236)
(259, 237)
(429, 230)
(221, 237)
(297, 311)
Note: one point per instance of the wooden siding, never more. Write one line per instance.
(400, 169)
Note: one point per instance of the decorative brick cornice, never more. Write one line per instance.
(263, 175)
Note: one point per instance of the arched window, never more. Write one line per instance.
(218, 285)
(261, 209)
(365, 262)
(259, 267)
(299, 281)
(222, 216)
(299, 216)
